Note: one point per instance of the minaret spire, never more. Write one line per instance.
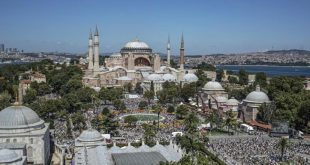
(90, 51)
(182, 53)
(168, 51)
(96, 51)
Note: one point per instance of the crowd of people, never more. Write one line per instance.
(258, 150)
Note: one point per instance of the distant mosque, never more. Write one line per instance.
(135, 63)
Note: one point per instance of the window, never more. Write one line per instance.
(14, 140)
(31, 140)
(8, 140)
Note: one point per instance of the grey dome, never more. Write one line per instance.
(190, 77)
(257, 96)
(116, 55)
(136, 44)
(90, 135)
(232, 101)
(8, 156)
(154, 77)
(213, 86)
(168, 77)
(19, 117)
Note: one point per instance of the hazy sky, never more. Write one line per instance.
(209, 26)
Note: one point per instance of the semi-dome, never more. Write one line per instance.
(168, 77)
(90, 135)
(232, 101)
(221, 99)
(116, 55)
(8, 156)
(190, 77)
(257, 96)
(19, 117)
(213, 86)
(154, 77)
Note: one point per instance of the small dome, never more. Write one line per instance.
(90, 135)
(169, 77)
(19, 117)
(116, 55)
(213, 86)
(221, 99)
(190, 77)
(257, 96)
(8, 156)
(232, 101)
(136, 45)
(154, 77)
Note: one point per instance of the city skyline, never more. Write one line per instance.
(208, 27)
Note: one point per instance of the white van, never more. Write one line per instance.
(247, 128)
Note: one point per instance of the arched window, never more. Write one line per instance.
(142, 62)
(14, 140)
(8, 140)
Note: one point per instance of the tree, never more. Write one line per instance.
(30, 96)
(5, 98)
(243, 77)
(303, 117)
(149, 133)
(230, 121)
(142, 104)
(181, 111)
(157, 108)
(149, 95)
(105, 111)
(232, 80)
(261, 79)
(282, 145)
(191, 123)
(130, 120)
(170, 109)
(128, 87)
(219, 74)
(266, 112)
(119, 104)
(138, 88)
(188, 91)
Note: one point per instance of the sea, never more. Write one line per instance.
(270, 71)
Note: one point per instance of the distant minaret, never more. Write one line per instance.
(168, 52)
(96, 50)
(182, 54)
(90, 52)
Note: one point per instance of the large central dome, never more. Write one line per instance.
(136, 46)
(15, 117)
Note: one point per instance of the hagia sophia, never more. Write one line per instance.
(135, 63)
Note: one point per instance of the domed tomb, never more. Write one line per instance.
(19, 117)
(90, 135)
(169, 77)
(213, 86)
(232, 101)
(190, 77)
(257, 96)
(154, 77)
(8, 156)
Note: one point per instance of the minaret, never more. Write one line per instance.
(168, 52)
(90, 52)
(96, 51)
(182, 54)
